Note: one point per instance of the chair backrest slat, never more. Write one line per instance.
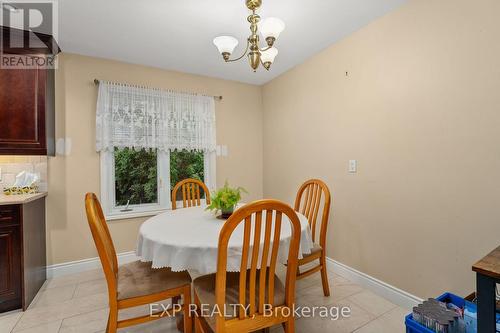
(311, 196)
(255, 259)
(103, 242)
(244, 263)
(263, 257)
(191, 193)
(198, 196)
(264, 260)
(314, 214)
(274, 256)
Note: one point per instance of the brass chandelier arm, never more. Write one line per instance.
(265, 49)
(244, 53)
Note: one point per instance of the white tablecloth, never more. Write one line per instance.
(187, 239)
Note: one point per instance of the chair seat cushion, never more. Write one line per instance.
(316, 248)
(204, 287)
(139, 279)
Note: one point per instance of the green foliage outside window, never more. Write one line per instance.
(136, 176)
(186, 164)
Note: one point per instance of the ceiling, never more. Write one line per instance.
(177, 35)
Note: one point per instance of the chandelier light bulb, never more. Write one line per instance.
(269, 55)
(271, 27)
(225, 44)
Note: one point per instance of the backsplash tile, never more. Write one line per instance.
(13, 165)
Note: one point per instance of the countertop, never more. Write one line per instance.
(489, 265)
(19, 199)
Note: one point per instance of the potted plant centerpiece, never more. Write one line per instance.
(225, 200)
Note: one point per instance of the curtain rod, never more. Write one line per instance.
(217, 98)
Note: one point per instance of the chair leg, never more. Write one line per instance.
(197, 320)
(188, 320)
(290, 325)
(179, 317)
(324, 276)
(112, 320)
(197, 325)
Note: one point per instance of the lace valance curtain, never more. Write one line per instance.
(136, 117)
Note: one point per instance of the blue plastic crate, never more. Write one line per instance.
(413, 327)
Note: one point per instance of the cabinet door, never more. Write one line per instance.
(22, 111)
(10, 259)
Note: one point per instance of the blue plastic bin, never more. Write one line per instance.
(413, 327)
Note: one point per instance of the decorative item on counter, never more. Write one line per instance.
(26, 183)
(225, 200)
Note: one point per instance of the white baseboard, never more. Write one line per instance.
(393, 294)
(387, 291)
(78, 266)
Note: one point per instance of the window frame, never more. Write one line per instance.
(108, 190)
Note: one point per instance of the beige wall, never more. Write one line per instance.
(71, 176)
(420, 112)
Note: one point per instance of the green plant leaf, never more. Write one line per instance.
(225, 198)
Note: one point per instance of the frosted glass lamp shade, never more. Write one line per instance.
(271, 27)
(269, 55)
(225, 44)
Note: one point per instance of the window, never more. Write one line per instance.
(173, 135)
(139, 182)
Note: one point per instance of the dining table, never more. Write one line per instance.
(187, 239)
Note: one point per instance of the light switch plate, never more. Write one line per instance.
(353, 166)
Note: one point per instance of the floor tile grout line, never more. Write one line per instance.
(330, 281)
(376, 318)
(79, 314)
(363, 308)
(84, 313)
(36, 300)
(60, 325)
(35, 326)
(53, 321)
(17, 321)
(365, 324)
(74, 291)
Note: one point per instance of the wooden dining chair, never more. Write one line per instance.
(191, 193)
(313, 194)
(255, 288)
(136, 283)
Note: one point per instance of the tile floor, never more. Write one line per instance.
(78, 304)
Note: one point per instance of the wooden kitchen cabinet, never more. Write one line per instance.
(22, 111)
(27, 110)
(22, 252)
(10, 259)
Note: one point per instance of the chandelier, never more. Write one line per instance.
(270, 29)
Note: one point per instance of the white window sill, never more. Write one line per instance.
(132, 214)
